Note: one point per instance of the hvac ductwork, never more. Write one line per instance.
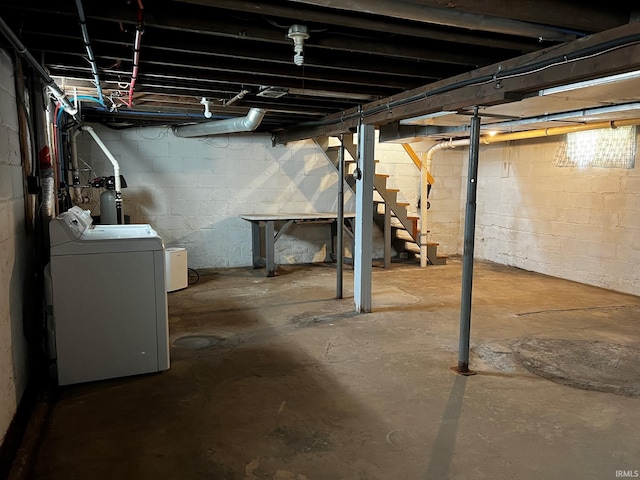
(220, 127)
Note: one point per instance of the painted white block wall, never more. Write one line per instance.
(445, 218)
(13, 253)
(573, 223)
(193, 190)
(403, 174)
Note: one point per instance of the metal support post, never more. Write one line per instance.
(340, 219)
(469, 233)
(364, 219)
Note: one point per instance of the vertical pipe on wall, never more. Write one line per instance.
(469, 232)
(116, 170)
(424, 203)
(340, 219)
(75, 170)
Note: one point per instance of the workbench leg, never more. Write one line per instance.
(332, 247)
(255, 244)
(269, 247)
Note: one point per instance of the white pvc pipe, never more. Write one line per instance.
(75, 171)
(112, 159)
(116, 170)
(424, 185)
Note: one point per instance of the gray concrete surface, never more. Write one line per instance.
(272, 378)
(587, 364)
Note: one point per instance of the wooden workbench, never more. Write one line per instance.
(283, 221)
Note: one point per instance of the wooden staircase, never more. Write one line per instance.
(400, 228)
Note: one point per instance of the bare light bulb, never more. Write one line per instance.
(298, 33)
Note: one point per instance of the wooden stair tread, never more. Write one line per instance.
(382, 175)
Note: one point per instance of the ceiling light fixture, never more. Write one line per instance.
(590, 83)
(298, 33)
(207, 112)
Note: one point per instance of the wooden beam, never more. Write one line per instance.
(360, 22)
(219, 23)
(581, 16)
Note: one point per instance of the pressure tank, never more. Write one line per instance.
(108, 212)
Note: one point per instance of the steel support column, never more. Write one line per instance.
(340, 220)
(364, 219)
(469, 233)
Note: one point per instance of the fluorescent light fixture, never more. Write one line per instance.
(590, 83)
(422, 118)
(571, 116)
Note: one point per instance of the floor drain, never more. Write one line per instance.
(196, 341)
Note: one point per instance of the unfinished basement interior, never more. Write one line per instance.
(317, 240)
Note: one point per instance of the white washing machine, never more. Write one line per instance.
(109, 299)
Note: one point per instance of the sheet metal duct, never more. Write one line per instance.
(220, 127)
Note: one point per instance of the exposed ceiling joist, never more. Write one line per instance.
(354, 19)
(609, 52)
(217, 48)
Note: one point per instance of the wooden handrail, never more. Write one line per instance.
(416, 160)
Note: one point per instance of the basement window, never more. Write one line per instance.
(608, 148)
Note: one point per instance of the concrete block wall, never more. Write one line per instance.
(193, 190)
(575, 223)
(446, 216)
(13, 253)
(403, 174)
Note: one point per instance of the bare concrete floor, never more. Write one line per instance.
(282, 381)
